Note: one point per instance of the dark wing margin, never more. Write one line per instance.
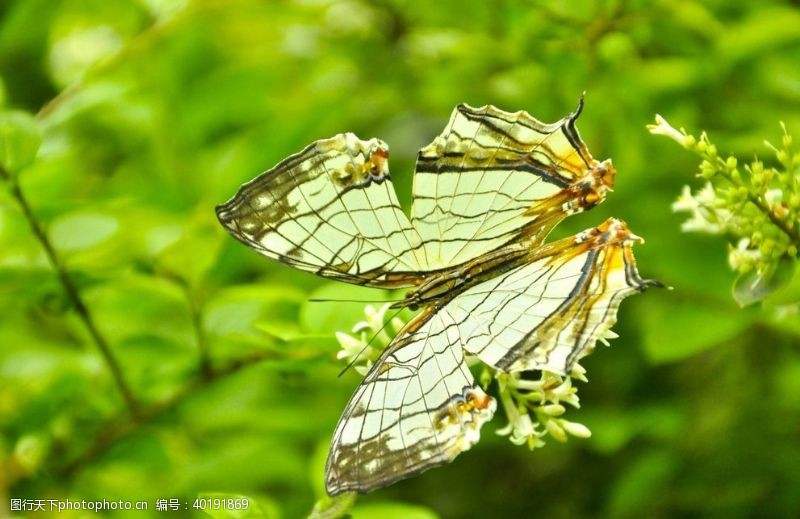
(332, 210)
(418, 408)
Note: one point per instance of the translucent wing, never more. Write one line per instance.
(549, 313)
(332, 210)
(417, 408)
(493, 177)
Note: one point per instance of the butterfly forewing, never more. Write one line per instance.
(493, 177)
(331, 210)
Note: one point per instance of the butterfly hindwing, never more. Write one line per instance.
(417, 408)
(550, 312)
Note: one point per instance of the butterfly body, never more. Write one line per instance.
(445, 285)
(472, 253)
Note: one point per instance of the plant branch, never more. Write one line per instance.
(120, 427)
(196, 316)
(206, 369)
(793, 234)
(72, 293)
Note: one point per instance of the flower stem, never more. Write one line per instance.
(72, 293)
(793, 234)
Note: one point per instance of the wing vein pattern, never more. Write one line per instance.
(486, 193)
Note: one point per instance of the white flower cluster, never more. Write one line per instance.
(758, 207)
(534, 407)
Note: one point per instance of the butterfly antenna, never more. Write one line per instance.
(322, 300)
(367, 345)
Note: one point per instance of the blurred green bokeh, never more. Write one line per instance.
(150, 112)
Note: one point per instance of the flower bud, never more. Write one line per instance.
(707, 170)
(553, 409)
(576, 429)
(555, 430)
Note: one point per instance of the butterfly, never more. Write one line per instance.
(486, 193)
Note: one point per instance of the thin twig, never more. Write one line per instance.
(120, 427)
(72, 293)
(794, 234)
(196, 316)
(206, 369)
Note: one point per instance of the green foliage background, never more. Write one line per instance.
(153, 111)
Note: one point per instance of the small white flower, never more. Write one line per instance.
(706, 196)
(604, 338)
(686, 202)
(523, 428)
(374, 319)
(364, 368)
(348, 343)
(578, 371)
(564, 392)
(774, 196)
(662, 127)
(743, 254)
(369, 332)
(701, 205)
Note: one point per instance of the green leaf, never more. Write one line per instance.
(316, 468)
(333, 507)
(3, 93)
(234, 310)
(762, 31)
(391, 510)
(751, 287)
(195, 252)
(19, 140)
(288, 332)
(76, 232)
(676, 326)
(636, 489)
(344, 308)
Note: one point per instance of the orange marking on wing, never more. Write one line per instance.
(377, 163)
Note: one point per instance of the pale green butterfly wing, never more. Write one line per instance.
(417, 408)
(495, 177)
(331, 210)
(549, 313)
(492, 179)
